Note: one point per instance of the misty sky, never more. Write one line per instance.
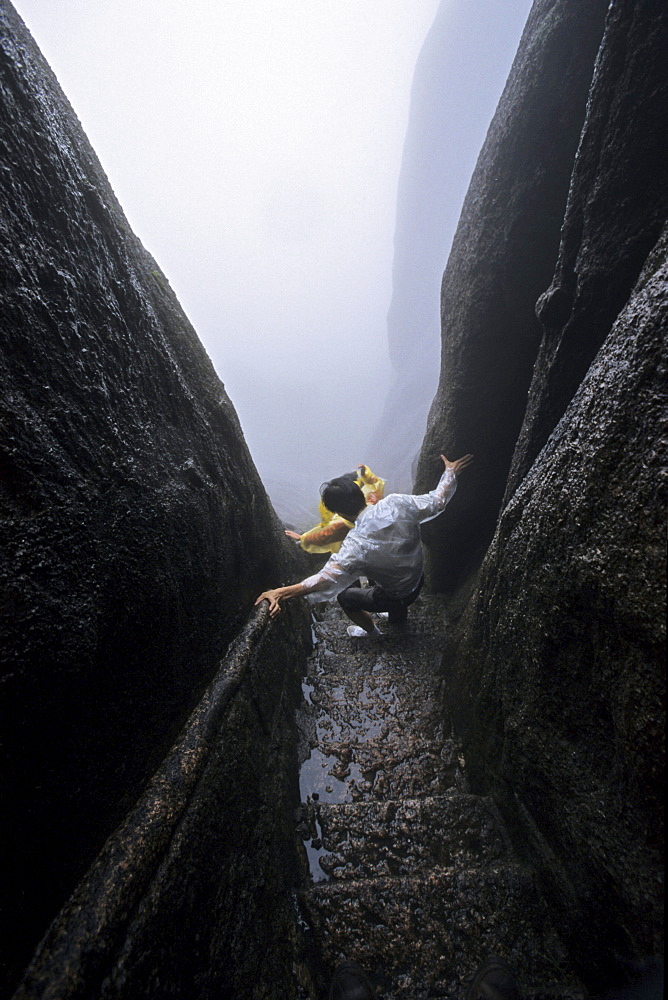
(255, 146)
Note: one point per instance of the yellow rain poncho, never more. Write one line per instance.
(333, 528)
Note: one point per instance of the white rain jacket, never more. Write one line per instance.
(384, 544)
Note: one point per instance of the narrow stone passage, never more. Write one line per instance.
(409, 874)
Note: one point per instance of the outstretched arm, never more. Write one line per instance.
(280, 594)
(320, 538)
(330, 581)
(432, 504)
(308, 586)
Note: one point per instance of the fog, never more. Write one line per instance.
(255, 147)
(459, 77)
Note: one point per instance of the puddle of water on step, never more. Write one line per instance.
(368, 728)
(314, 854)
(370, 714)
(327, 729)
(314, 778)
(366, 694)
(370, 694)
(356, 775)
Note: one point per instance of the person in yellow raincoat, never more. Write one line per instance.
(333, 528)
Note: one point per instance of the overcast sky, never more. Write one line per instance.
(255, 146)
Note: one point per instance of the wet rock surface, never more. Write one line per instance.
(502, 259)
(406, 872)
(176, 903)
(617, 205)
(556, 671)
(134, 529)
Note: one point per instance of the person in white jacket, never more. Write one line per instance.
(384, 545)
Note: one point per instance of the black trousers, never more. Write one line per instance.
(356, 598)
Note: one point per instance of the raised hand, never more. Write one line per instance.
(458, 464)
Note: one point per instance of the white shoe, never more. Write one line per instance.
(357, 632)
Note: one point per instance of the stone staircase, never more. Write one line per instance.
(409, 874)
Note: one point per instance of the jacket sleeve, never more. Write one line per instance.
(329, 582)
(428, 505)
(339, 572)
(319, 539)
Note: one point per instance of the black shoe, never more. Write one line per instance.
(350, 983)
(494, 980)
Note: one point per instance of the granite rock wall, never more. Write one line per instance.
(135, 530)
(502, 259)
(556, 669)
(555, 662)
(616, 208)
(194, 893)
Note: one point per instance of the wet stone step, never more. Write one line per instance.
(410, 874)
(388, 654)
(424, 631)
(379, 769)
(363, 706)
(425, 936)
(367, 840)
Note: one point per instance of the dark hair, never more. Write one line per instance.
(343, 496)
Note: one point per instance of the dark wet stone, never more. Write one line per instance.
(134, 530)
(556, 672)
(428, 935)
(557, 667)
(413, 879)
(182, 878)
(617, 206)
(502, 259)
